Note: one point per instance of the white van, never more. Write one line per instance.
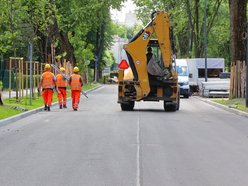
(183, 77)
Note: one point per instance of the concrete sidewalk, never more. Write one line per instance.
(224, 107)
(28, 113)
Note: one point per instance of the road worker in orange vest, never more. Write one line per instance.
(61, 85)
(76, 84)
(48, 82)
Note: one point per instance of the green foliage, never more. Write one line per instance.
(10, 21)
(89, 27)
(6, 41)
(120, 30)
(219, 37)
(80, 29)
(1, 85)
(61, 55)
(237, 103)
(108, 58)
(126, 32)
(189, 40)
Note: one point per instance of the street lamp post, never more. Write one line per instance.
(246, 89)
(31, 71)
(205, 40)
(96, 68)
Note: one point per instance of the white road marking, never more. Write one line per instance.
(138, 151)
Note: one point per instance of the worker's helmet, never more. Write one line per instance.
(47, 66)
(75, 69)
(62, 69)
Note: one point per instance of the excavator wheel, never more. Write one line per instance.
(128, 106)
(178, 101)
(170, 107)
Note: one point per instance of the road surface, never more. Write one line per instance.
(99, 145)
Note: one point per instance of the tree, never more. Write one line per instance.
(79, 29)
(37, 26)
(10, 21)
(1, 102)
(186, 17)
(238, 19)
(238, 29)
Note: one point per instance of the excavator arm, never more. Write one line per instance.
(136, 50)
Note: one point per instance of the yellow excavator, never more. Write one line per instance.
(154, 77)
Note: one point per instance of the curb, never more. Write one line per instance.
(224, 107)
(34, 111)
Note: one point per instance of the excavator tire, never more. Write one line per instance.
(170, 107)
(127, 106)
(178, 101)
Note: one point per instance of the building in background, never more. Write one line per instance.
(130, 19)
(126, 16)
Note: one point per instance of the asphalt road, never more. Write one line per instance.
(99, 145)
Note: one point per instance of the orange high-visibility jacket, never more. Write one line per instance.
(48, 80)
(75, 82)
(60, 81)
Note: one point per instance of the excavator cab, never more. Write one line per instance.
(149, 77)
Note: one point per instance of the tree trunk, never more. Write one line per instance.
(67, 47)
(197, 31)
(1, 102)
(43, 47)
(238, 30)
(100, 46)
(189, 29)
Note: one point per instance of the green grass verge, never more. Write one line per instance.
(238, 104)
(12, 108)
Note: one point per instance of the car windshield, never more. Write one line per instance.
(182, 71)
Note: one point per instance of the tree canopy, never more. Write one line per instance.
(78, 30)
(187, 19)
(82, 31)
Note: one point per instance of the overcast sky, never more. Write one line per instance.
(120, 15)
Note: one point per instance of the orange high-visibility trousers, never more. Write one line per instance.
(62, 96)
(75, 95)
(47, 95)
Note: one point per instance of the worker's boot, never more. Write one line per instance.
(64, 106)
(45, 108)
(60, 106)
(75, 109)
(48, 109)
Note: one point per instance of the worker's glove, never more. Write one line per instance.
(38, 91)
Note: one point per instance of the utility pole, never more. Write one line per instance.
(31, 71)
(189, 28)
(246, 86)
(96, 68)
(205, 40)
